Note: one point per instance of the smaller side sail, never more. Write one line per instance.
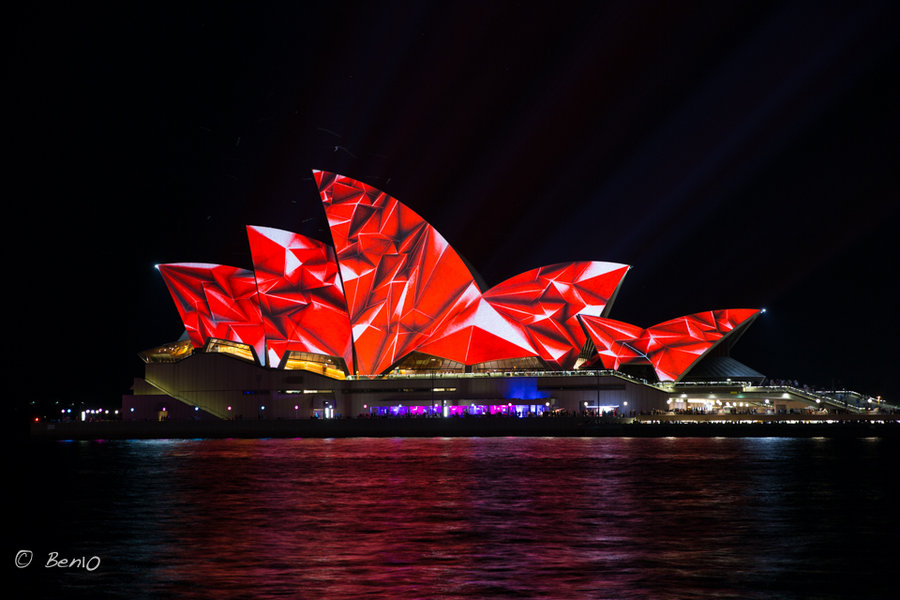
(547, 301)
(672, 347)
(614, 341)
(300, 293)
(216, 301)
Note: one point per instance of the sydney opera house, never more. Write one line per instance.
(391, 321)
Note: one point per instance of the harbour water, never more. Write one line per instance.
(457, 518)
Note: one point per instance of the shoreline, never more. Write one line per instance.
(661, 426)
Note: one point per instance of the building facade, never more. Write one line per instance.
(390, 321)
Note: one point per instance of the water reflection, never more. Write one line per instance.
(476, 518)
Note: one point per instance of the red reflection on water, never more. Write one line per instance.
(460, 518)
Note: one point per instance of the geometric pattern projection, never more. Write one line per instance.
(477, 332)
(672, 347)
(392, 285)
(302, 302)
(400, 276)
(613, 341)
(546, 302)
(216, 301)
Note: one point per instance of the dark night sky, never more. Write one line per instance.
(738, 154)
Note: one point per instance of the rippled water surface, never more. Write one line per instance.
(460, 518)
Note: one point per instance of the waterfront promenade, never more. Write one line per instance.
(663, 425)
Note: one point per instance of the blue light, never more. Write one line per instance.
(524, 388)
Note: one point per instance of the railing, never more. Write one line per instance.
(815, 396)
(859, 399)
(571, 373)
(670, 385)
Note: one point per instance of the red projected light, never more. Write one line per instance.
(216, 301)
(614, 341)
(400, 276)
(672, 347)
(302, 301)
(393, 285)
(546, 302)
(477, 333)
